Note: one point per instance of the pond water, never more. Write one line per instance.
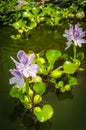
(69, 109)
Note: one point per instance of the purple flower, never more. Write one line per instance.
(18, 78)
(74, 35)
(24, 68)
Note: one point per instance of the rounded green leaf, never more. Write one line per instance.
(70, 67)
(31, 93)
(35, 10)
(43, 114)
(20, 23)
(27, 102)
(72, 81)
(62, 90)
(60, 84)
(80, 56)
(32, 25)
(28, 105)
(52, 55)
(39, 87)
(26, 14)
(17, 93)
(67, 87)
(37, 99)
(56, 73)
(80, 14)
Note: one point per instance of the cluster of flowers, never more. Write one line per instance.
(24, 68)
(74, 35)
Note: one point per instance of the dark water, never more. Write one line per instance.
(69, 109)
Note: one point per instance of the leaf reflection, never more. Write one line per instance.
(65, 95)
(28, 120)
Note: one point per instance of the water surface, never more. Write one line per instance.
(69, 109)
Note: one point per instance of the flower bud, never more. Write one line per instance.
(56, 73)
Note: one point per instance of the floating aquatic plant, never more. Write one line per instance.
(33, 73)
(75, 37)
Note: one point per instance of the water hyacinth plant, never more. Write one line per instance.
(34, 73)
(75, 37)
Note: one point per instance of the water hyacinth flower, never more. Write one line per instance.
(17, 78)
(74, 35)
(24, 68)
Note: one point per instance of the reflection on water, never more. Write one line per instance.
(28, 119)
(69, 108)
(62, 96)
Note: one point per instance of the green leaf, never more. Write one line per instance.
(53, 80)
(28, 105)
(35, 10)
(52, 56)
(80, 56)
(30, 93)
(26, 14)
(39, 87)
(26, 7)
(37, 99)
(70, 67)
(17, 92)
(43, 114)
(65, 56)
(20, 23)
(72, 81)
(56, 73)
(27, 102)
(32, 25)
(59, 84)
(67, 87)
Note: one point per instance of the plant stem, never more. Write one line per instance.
(27, 85)
(74, 49)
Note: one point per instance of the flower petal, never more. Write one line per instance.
(68, 45)
(13, 80)
(17, 80)
(25, 60)
(80, 42)
(15, 72)
(16, 63)
(31, 70)
(20, 54)
(20, 83)
(31, 58)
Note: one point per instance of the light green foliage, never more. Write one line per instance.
(37, 99)
(56, 73)
(47, 65)
(80, 56)
(28, 16)
(41, 112)
(39, 87)
(72, 81)
(52, 56)
(60, 76)
(55, 69)
(70, 67)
